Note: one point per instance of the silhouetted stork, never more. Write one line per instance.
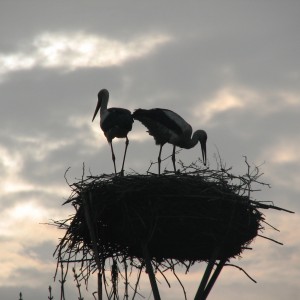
(168, 127)
(115, 123)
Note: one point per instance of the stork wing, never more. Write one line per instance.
(158, 116)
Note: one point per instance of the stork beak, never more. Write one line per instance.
(203, 149)
(97, 108)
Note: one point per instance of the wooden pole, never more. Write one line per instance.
(99, 285)
(200, 292)
(214, 277)
(88, 217)
(150, 272)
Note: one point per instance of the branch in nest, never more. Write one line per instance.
(241, 269)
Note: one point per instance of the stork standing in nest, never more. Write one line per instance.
(168, 127)
(115, 122)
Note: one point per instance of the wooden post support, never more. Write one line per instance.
(205, 278)
(89, 220)
(214, 277)
(150, 272)
(99, 285)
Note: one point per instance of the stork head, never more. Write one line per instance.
(103, 95)
(202, 137)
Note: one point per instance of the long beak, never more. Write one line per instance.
(97, 109)
(203, 149)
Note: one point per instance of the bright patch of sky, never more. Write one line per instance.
(78, 50)
(226, 99)
(285, 152)
(235, 98)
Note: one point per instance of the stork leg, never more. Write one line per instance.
(126, 145)
(113, 157)
(173, 158)
(159, 159)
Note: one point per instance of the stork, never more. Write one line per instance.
(167, 126)
(115, 123)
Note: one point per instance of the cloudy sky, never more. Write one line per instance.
(229, 67)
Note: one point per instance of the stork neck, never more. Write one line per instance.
(193, 141)
(188, 142)
(103, 106)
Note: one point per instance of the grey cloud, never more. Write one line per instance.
(245, 45)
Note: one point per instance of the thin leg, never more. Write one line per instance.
(113, 157)
(159, 159)
(173, 158)
(126, 145)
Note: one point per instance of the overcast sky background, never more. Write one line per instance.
(229, 67)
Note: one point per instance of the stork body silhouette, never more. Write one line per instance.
(115, 122)
(167, 126)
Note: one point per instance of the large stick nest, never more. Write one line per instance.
(180, 217)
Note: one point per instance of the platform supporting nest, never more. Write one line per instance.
(158, 222)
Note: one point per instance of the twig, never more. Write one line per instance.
(77, 284)
(62, 282)
(241, 269)
(270, 225)
(137, 282)
(270, 239)
(154, 163)
(50, 297)
(182, 286)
